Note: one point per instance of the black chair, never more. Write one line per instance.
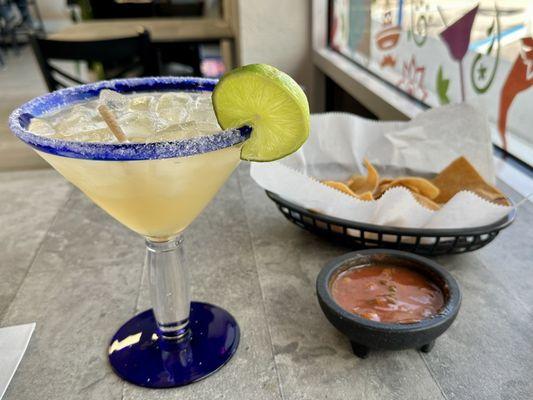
(147, 9)
(176, 58)
(131, 56)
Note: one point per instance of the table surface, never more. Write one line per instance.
(78, 274)
(161, 29)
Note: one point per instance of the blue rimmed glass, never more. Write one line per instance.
(177, 342)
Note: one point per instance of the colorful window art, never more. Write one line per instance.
(442, 51)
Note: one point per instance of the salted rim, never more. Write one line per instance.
(20, 118)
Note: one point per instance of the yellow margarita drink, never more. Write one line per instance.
(157, 198)
(153, 152)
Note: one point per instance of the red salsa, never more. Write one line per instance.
(387, 293)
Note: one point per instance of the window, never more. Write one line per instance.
(444, 51)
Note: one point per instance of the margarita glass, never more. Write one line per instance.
(156, 189)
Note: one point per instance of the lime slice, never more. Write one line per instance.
(269, 101)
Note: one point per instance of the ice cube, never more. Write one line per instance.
(79, 119)
(139, 124)
(174, 115)
(41, 127)
(141, 103)
(85, 112)
(203, 101)
(203, 115)
(173, 107)
(205, 127)
(186, 130)
(100, 135)
(201, 109)
(173, 100)
(114, 100)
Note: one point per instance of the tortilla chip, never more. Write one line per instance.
(341, 186)
(383, 185)
(416, 185)
(360, 184)
(425, 202)
(461, 175)
(367, 196)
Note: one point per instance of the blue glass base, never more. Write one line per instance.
(140, 356)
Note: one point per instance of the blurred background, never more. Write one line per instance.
(187, 37)
(382, 59)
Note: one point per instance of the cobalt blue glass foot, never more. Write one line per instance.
(139, 355)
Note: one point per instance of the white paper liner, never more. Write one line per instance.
(339, 142)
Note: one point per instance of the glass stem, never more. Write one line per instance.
(169, 287)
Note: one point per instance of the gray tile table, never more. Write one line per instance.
(78, 274)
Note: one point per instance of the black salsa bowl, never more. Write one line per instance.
(365, 334)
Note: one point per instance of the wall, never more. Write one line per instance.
(52, 9)
(54, 13)
(278, 32)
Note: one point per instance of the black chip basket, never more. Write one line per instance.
(429, 242)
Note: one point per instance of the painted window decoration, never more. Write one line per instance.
(448, 51)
